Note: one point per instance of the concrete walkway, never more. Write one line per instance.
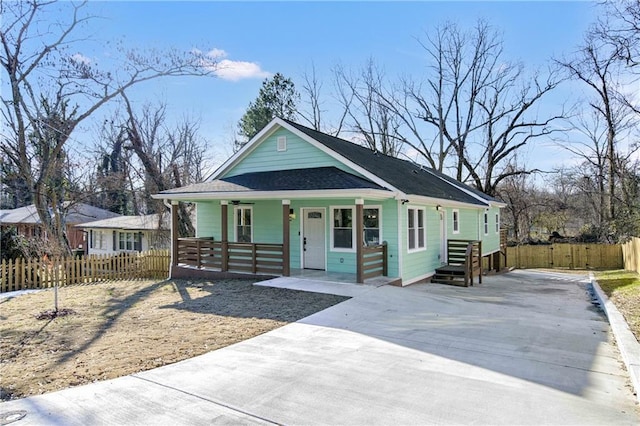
(522, 348)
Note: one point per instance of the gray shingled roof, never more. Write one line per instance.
(404, 175)
(77, 213)
(320, 178)
(134, 223)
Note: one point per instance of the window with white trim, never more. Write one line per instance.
(416, 230)
(486, 223)
(99, 241)
(456, 221)
(497, 223)
(243, 224)
(371, 222)
(129, 241)
(342, 228)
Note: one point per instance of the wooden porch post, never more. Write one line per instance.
(359, 240)
(286, 271)
(224, 226)
(174, 233)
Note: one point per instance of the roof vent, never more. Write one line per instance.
(282, 143)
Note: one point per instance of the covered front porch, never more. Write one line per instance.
(208, 256)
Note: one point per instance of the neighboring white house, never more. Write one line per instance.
(127, 234)
(27, 223)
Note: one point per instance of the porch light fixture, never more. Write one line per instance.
(438, 207)
(292, 215)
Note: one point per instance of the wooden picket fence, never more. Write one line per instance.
(21, 274)
(631, 254)
(569, 256)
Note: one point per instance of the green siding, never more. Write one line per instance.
(208, 219)
(468, 224)
(418, 263)
(267, 223)
(491, 241)
(267, 228)
(299, 155)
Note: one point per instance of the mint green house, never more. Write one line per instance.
(294, 199)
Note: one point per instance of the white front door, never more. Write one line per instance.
(443, 238)
(313, 239)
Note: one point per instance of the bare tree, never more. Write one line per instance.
(370, 118)
(53, 90)
(524, 202)
(597, 66)
(622, 28)
(505, 107)
(312, 96)
(170, 157)
(477, 106)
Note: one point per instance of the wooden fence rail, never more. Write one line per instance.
(21, 274)
(570, 256)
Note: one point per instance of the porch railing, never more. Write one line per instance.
(374, 261)
(254, 258)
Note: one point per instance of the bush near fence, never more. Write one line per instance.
(568, 256)
(22, 274)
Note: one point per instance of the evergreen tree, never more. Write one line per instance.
(277, 98)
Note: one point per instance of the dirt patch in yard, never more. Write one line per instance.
(120, 328)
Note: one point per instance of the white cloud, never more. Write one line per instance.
(216, 53)
(80, 59)
(227, 69)
(238, 70)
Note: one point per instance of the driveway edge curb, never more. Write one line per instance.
(627, 343)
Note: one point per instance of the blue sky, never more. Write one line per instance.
(258, 39)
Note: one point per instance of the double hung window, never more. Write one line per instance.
(244, 229)
(416, 231)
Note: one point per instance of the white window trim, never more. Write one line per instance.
(454, 222)
(281, 143)
(497, 222)
(235, 221)
(353, 229)
(424, 231)
(379, 207)
(134, 234)
(486, 223)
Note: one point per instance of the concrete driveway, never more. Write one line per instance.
(522, 348)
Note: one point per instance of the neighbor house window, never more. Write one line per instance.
(371, 221)
(98, 240)
(456, 221)
(244, 229)
(486, 223)
(497, 223)
(416, 229)
(129, 241)
(342, 227)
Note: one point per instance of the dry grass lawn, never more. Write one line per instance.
(120, 328)
(623, 288)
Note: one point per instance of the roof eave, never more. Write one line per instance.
(421, 199)
(267, 195)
